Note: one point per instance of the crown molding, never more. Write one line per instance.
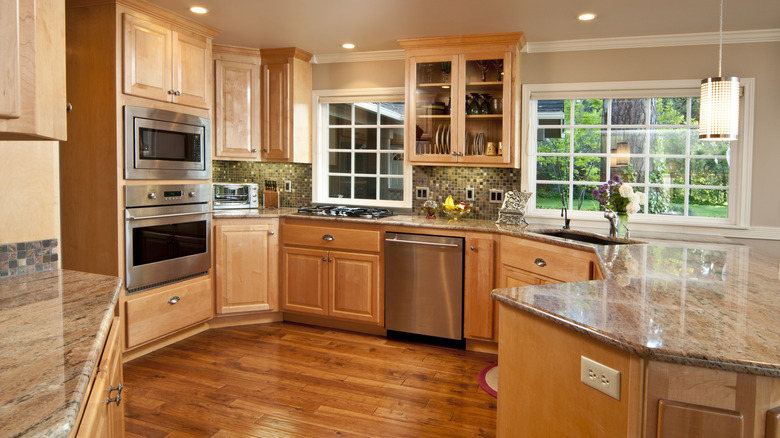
(384, 55)
(684, 39)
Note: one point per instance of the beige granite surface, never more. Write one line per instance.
(709, 304)
(53, 324)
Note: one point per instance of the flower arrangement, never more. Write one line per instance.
(618, 196)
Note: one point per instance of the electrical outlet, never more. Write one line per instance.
(288, 186)
(496, 196)
(422, 192)
(470, 194)
(600, 377)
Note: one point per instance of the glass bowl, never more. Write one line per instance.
(455, 214)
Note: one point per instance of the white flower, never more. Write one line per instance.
(625, 190)
(642, 197)
(634, 197)
(632, 207)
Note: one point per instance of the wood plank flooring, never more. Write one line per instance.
(290, 380)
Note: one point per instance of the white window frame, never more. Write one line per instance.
(740, 165)
(320, 101)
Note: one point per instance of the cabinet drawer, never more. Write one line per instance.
(546, 260)
(326, 237)
(152, 316)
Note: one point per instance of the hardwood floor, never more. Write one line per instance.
(290, 380)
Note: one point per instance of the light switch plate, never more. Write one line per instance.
(600, 377)
(288, 186)
(422, 193)
(496, 196)
(470, 194)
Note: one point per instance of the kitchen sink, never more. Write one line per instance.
(581, 236)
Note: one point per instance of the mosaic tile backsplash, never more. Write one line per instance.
(28, 257)
(258, 173)
(444, 181)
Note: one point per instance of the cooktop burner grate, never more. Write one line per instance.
(344, 211)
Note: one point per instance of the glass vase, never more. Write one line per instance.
(622, 227)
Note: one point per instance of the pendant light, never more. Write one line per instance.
(719, 105)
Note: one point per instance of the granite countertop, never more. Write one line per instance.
(711, 304)
(53, 324)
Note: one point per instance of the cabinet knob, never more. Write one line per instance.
(540, 262)
(254, 150)
(454, 154)
(324, 259)
(177, 93)
(68, 107)
(330, 259)
(473, 248)
(116, 400)
(271, 233)
(174, 299)
(328, 237)
(170, 91)
(265, 150)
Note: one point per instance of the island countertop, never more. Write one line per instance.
(53, 324)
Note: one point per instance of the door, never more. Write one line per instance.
(245, 280)
(433, 131)
(355, 291)
(479, 308)
(190, 63)
(305, 280)
(147, 59)
(276, 124)
(238, 110)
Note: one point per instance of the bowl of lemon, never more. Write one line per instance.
(454, 211)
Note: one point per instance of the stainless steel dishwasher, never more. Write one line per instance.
(424, 285)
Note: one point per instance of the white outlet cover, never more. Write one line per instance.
(600, 377)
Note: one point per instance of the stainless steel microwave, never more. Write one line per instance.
(163, 144)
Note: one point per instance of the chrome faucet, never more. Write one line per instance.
(565, 216)
(612, 218)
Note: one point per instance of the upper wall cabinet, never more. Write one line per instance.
(165, 63)
(32, 70)
(237, 103)
(463, 99)
(286, 105)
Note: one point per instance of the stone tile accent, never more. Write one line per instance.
(256, 172)
(28, 257)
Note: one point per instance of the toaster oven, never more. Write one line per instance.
(235, 196)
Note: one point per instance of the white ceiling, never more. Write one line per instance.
(321, 26)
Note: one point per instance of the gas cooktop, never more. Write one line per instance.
(344, 211)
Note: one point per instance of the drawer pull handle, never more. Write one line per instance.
(116, 399)
(174, 299)
(540, 262)
(118, 388)
(328, 237)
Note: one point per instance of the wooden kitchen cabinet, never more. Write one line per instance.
(237, 103)
(529, 262)
(462, 93)
(286, 105)
(32, 78)
(478, 281)
(336, 274)
(166, 63)
(247, 267)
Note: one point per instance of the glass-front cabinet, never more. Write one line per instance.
(463, 100)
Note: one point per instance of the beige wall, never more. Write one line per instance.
(30, 195)
(760, 61)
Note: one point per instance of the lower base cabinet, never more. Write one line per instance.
(478, 281)
(104, 414)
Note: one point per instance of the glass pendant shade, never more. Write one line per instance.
(719, 109)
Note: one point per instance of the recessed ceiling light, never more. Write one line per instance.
(348, 46)
(198, 10)
(586, 17)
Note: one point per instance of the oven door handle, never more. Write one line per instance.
(129, 217)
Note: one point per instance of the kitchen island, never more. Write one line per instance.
(54, 326)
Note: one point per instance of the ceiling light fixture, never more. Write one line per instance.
(586, 17)
(198, 10)
(719, 105)
(348, 46)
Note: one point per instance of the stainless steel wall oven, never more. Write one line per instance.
(167, 232)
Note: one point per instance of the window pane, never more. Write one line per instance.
(589, 112)
(391, 164)
(391, 113)
(339, 186)
(708, 203)
(668, 141)
(634, 137)
(667, 171)
(365, 138)
(391, 189)
(662, 200)
(709, 172)
(707, 147)
(548, 196)
(668, 110)
(584, 199)
(590, 169)
(340, 113)
(552, 168)
(634, 172)
(552, 113)
(391, 138)
(590, 141)
(340, 138)
(365, 113)
(365, 163)
(695, 111)
(340, 162)
(628, 111)
(365, 188)
(553, 144)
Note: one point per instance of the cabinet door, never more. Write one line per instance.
(112, 363)
(305, 280)
(191, 63)
(479, 308)
(147, 59)
(94, 422)
(432, 128)
(511, 277)
(276, 126)
(10, 79)
(243, 267)
(237, 110)
(355, 292)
